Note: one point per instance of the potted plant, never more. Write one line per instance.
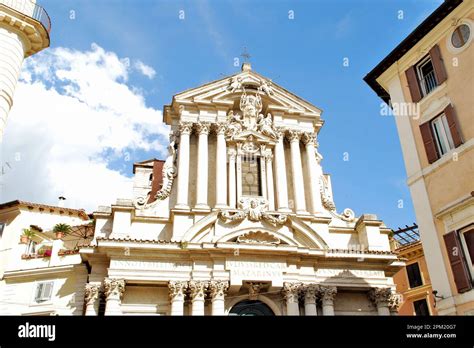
(44, 251)
(61, 230)
(26, 236)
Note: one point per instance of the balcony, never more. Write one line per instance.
(30, 9)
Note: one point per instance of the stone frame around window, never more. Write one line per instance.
(446, 134)
(35, 287)
(449, 44)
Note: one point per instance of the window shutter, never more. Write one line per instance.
(48, 290)
(457, 261)
(453, 125)
(39, 290)
(438, 64)
(413, 84)
(428, 141)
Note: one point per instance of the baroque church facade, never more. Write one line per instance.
(239, 219)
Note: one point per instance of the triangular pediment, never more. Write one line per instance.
(250, 135)
(229, 89)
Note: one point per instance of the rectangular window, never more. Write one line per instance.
(2, 227)
(442, 134)
(421, 307)
(414, 275)
(426, 76)
(251, 176)
(43, 291)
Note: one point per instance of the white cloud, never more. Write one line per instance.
(146, 70)
(73, 115)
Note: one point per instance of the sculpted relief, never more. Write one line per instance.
(250, 116)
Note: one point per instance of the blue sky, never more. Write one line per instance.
(304, 54)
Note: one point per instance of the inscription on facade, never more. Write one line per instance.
(150, 265)
(349, 273)
(255, 270)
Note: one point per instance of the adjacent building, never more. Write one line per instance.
(428, 82)
(42, 274)
(413, 281)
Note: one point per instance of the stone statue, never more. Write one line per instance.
(265, 87)
(250, 105)
(234, 126)
(235, 84)
(265, 125)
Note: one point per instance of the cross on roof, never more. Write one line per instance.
(245, 54)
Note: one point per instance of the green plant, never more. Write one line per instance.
(27, 232)
(62, 228)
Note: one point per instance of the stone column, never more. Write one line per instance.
(232, 182)
(176, 292)
(280, 173)
(221, 167)
(202, 129)
(297, 170)
(217, 290)
(291, 294)
(114, 289)
(381, 298)
(309, 140)
(328, 293)
(183, 165)
(91, 298)
(197, 292)
(270, 186)
(310, 294)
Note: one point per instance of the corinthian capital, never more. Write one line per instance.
(310, 293)
(232, 153)
(220, 128)
(197, 289)
(217, 289)
(203, 128)
(327, 293)
(280, 132)
(91, 293)
(293, 136)
(114, 287)
(291, 292)
(380, 296)
(185, 128)
(309, 138)
(395, 301)
(177, 288)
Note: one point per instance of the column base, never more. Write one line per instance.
(181, 207)
(284, 210)
(220, 206)
(201, 207)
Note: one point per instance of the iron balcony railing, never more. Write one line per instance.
(429, 82)
(30, 9)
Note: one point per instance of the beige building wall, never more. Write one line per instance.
(441, 191)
